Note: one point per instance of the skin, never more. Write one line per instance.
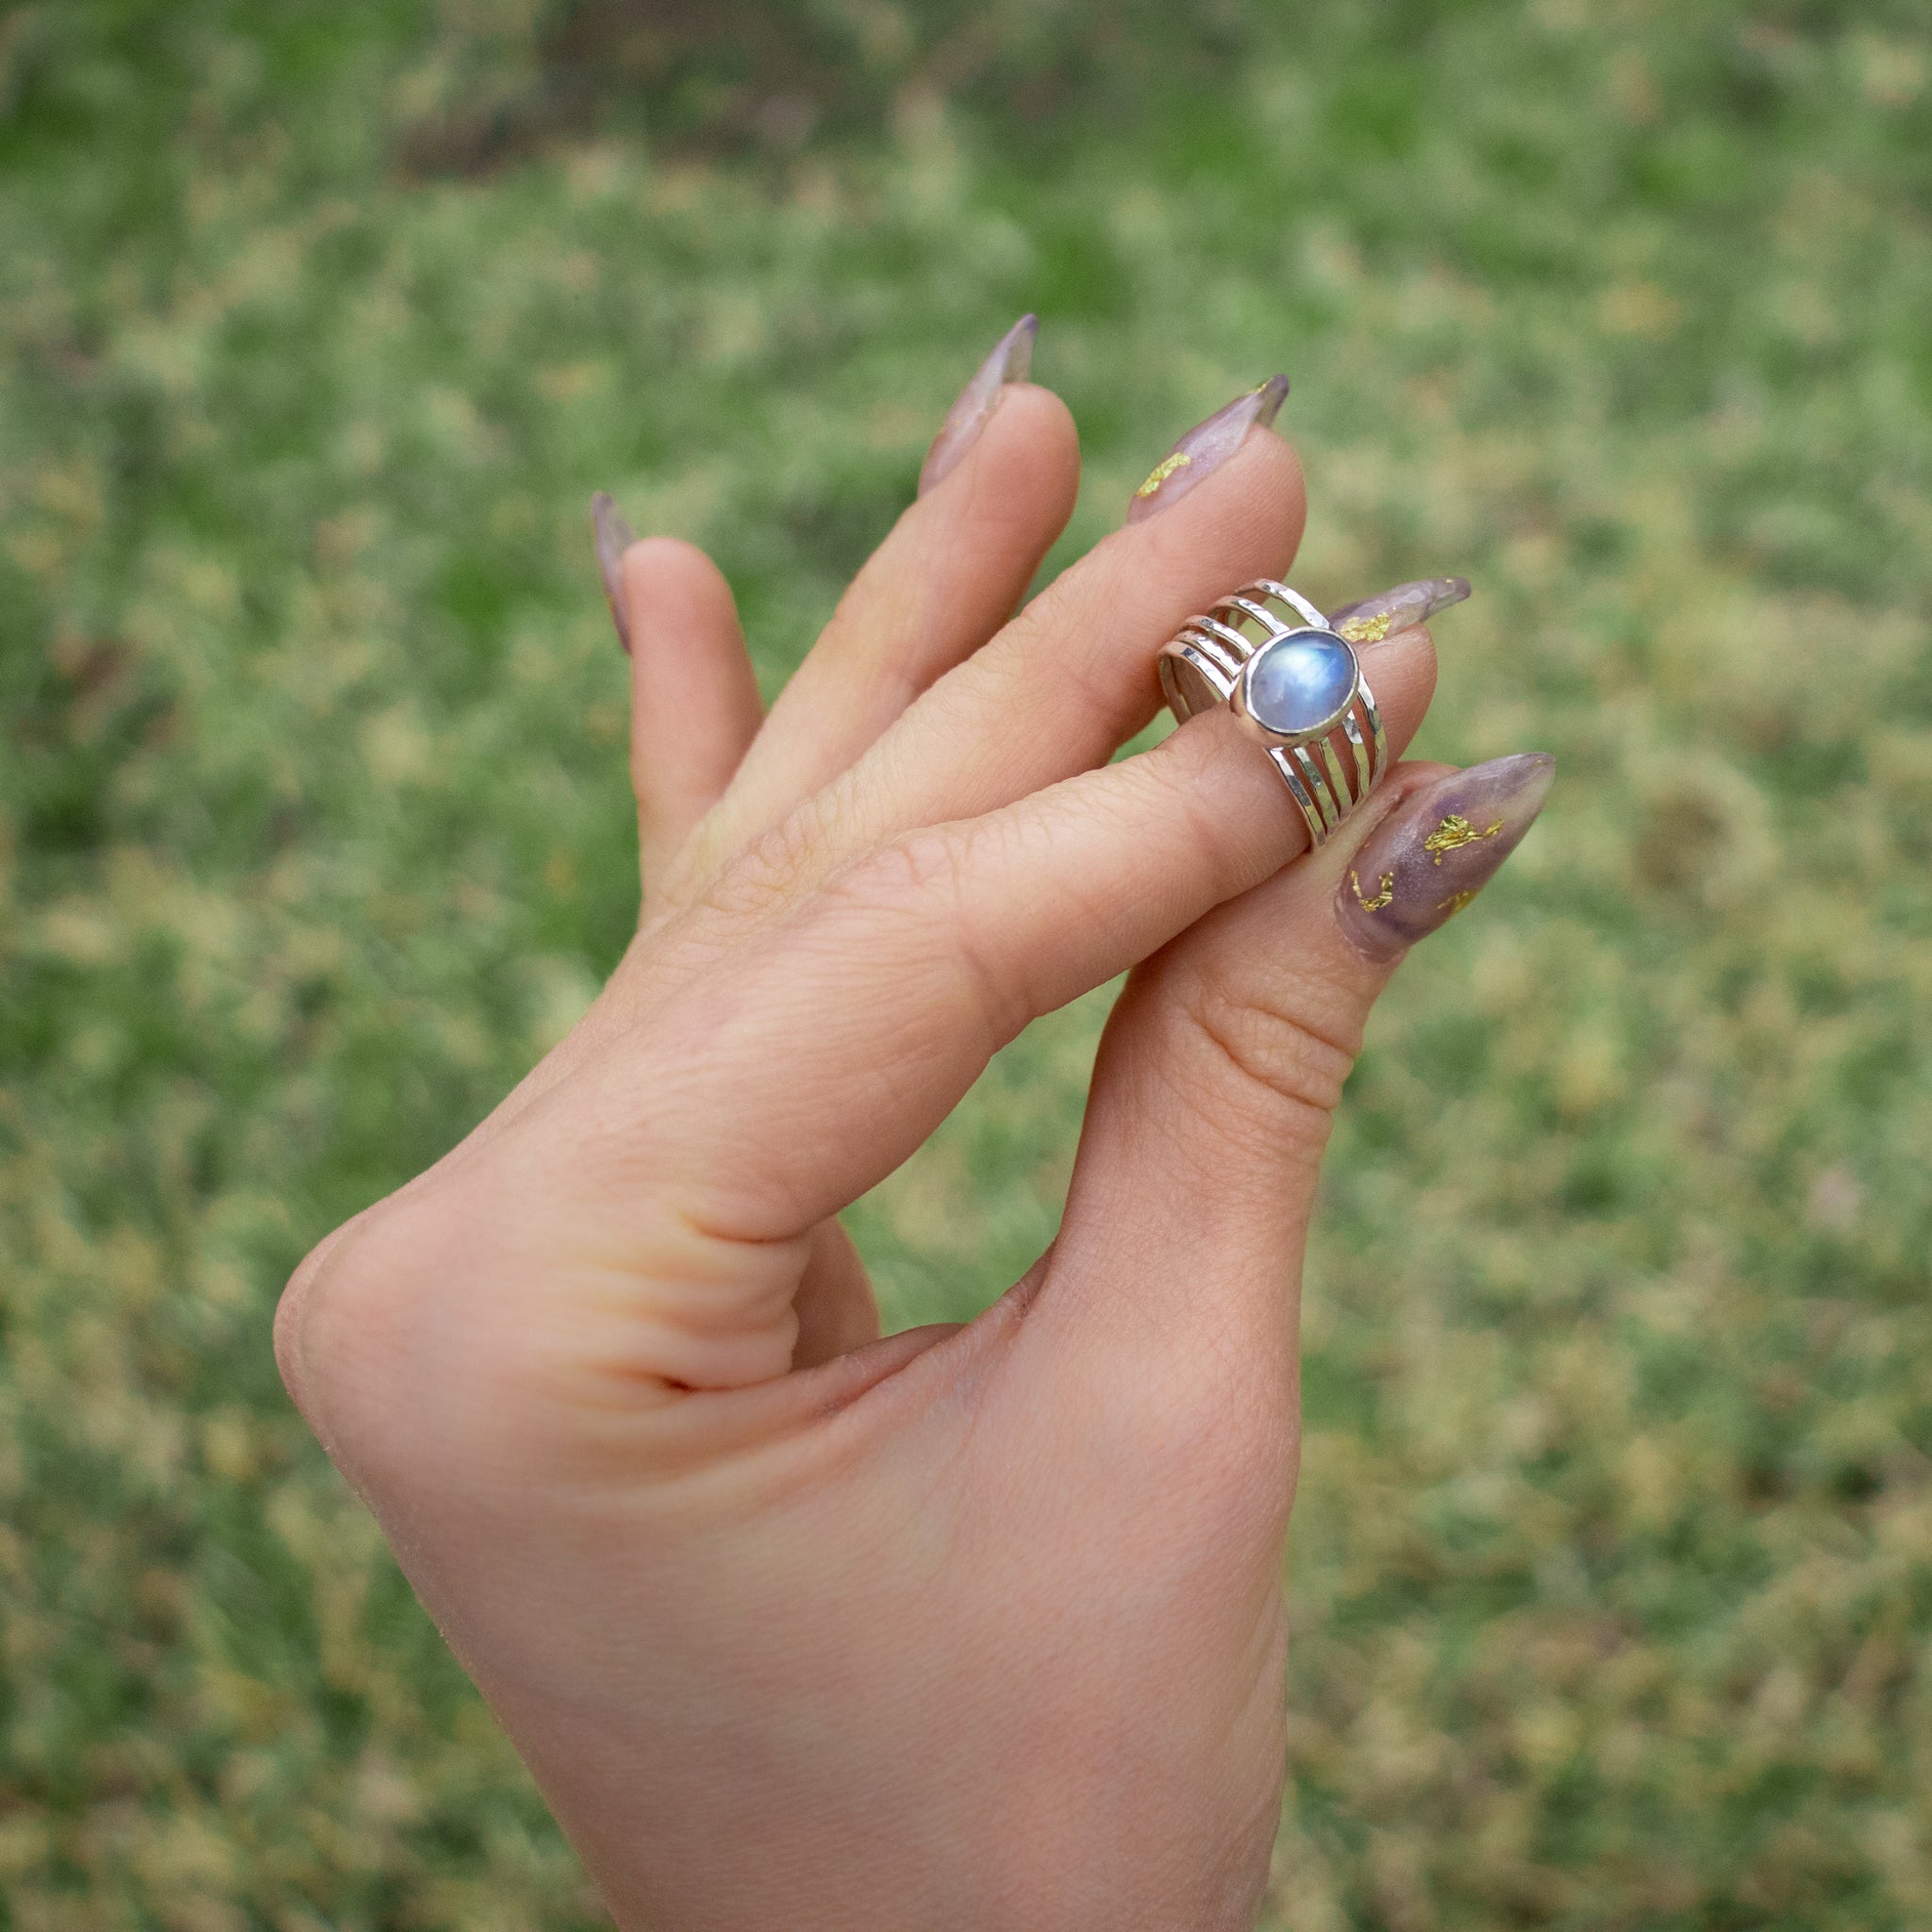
(970, 1627)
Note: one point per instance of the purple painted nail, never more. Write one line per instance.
(1435, 852)
(614, 537)
(1013, 357)
(1206, 446)
(1372, 619)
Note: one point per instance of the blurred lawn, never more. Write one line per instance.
(1612, 1575)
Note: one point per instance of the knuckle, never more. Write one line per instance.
(409, 1361)
(765, 875)
(1059, 623)
(1089, 655)
(924, 868)
(1270, 1058)
(915, 896)
(341, 1324)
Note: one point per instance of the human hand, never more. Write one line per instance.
(969, 1626)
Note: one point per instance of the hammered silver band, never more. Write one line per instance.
(1329, 770)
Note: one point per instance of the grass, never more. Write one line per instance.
(1612, 1575)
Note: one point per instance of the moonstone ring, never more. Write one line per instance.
(1296, 685)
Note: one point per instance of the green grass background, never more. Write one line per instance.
(1612, 1569)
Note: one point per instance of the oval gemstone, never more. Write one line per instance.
(1300, 682)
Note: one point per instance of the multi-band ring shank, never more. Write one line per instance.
(1270, 655)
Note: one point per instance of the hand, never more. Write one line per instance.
(970, 1627)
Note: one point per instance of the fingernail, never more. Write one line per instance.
(1372, 619)
(1435, 852)
(1013, 357)
(1206, 446)
(614, 537)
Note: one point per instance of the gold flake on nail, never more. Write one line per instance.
(1164, 470)
(1453, 833)
(1367, 630)
(1385, 891)
(1456, 901)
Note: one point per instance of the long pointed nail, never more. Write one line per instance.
(1373, 618)
(1013, 357)
(614, 537)
(1435, 852)
(1206, 446)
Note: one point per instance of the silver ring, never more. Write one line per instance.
(1296, 685)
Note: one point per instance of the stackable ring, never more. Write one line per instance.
(1295, 684)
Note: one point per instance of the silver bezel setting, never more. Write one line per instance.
(1241, 697)
(1330, 771)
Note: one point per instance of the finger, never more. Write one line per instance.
(943, 581)
(1221, 1068)
(1072, 677)
(694, 698)
(801, 1070)
(834, 1306)
(694, 709)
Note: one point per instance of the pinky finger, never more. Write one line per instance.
(694, 700)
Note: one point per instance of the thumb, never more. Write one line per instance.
(1223, 1063)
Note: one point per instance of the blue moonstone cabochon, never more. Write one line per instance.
(1300, 682)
